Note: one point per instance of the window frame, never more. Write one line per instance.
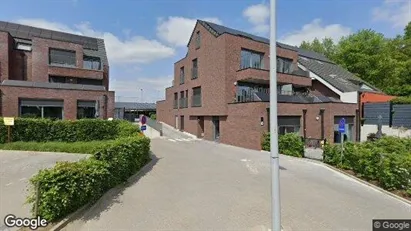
(249, 57)
(54, 63)
(94, 60)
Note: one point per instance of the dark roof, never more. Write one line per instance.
(337, 76)
(219, 30)
(135, 106)
(92, 46)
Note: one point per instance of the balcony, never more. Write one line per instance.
(196, 101)
(282, 97)
(175, 104)
(296, 77)
(75, 72)
(183, 102)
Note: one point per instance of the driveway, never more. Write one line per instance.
(16, 168)
(199, 185)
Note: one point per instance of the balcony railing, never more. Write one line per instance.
(175, 104)
(196, 101)
(183, 102)
(255, 96)
(194, 73)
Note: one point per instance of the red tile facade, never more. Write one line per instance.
(240, 124)
(34, 66)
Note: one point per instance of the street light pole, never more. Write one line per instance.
(275, 162)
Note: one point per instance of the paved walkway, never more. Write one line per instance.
(16, 168)
(201, 185)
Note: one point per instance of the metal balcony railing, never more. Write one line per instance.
(196, 101)
(194, 73)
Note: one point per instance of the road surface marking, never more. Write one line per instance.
(23, 179)
(9, 184)
(172, 140)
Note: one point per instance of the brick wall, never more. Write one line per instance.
(10, 99)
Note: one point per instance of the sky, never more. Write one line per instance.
(144, 38)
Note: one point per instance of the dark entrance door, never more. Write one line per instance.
(200, 133)
(216, 125)
(182, 123)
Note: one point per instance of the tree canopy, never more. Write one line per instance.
(381, 61)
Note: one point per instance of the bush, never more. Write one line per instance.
(289, 144)
(386, 161)
(43, 130)
(74, 147)
(153, 116)
(69, 185)
(401, 100)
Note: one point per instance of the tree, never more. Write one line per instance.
(325, 47)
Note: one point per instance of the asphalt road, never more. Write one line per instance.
(198, 185)
(16, 168)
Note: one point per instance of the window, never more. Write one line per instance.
(57, 79)
(196, 101)
(288, 124)
(175, 100)
(86, 109)
(349, 129)
(52, 109)
(85, 81)
(198, 39)
(183, 100)
(246, 92)
(251, 59)
(284, 65)
(194, 70)
(63, 58)
(23, 46)
(92, 63)
(181, 75)
(285, 89)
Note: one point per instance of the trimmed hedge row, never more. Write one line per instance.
(289, 144)
(43, 130)
(73, 147)
(69, 185)
(386, 161)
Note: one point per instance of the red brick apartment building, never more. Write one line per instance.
(52, 74)
(221, 89)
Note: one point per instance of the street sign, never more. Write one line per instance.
(143, 128)
(341, 125)
(143, 119)
(8, 121)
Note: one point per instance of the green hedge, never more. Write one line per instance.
(401, 100)
(44, 130)
(289, 144)
(386, 161)
(69, 185)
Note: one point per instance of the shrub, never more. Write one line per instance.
(42, 130)
(74, 147)
(401, 100)
(69, 185)
(153, 116)
(386, 161)
(289, 144)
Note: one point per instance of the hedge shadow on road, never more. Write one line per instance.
(112, 196)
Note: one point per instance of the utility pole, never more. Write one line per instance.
(275, 162)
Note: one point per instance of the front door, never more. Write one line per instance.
(216, 125)
(182, 123)
(176, 126)
(200, 132)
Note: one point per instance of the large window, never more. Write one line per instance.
(246, 92)
(60, 57)
(33, 108)
(181, 75)
(349, 129)
(251, 59)
(196, 101)
(194, 70)
(288, 124)
(284, 65)
(93, 63)
(86, 109)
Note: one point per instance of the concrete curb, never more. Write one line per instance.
(352, 177)
(369, 184)
(71, 217)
